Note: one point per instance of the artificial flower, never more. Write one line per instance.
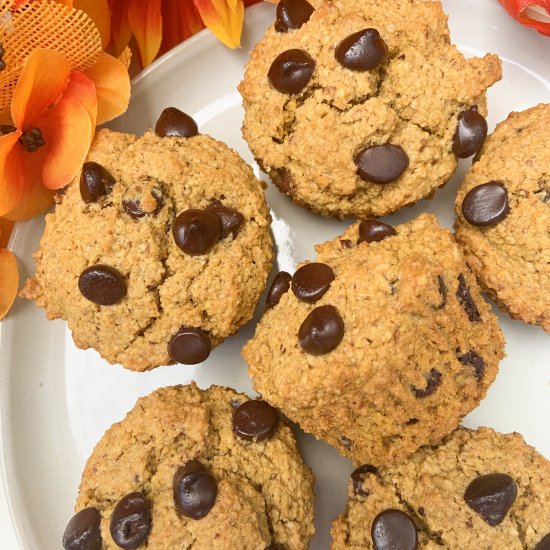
(9, 275)
(532, 13)
(159, 25)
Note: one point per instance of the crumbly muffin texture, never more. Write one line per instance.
(265, 491)
(307, 141)
(165, 287)
(419, 348)
(431, 488)
(511, 256)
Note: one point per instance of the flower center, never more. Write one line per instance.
(32, 140)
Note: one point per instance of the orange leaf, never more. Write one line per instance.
(68, 130)
(12, 180)
(100, 13)
(5, 231)
(145, 21)
(9, 281)
(112, 84)
(224, 22)
(180, 20)
(41, 83)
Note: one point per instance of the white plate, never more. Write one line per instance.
(56, 400)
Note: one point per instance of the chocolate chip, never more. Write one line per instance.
(491, 496)
(83, 531)
(392, 530)
(280, 286)
(275, 546)
(357, 477)
(195, 490)
(381, 163)
(433, 381)
(255, 420)
(102, 284)
(486, 204)
(346, 443)
(311, 281)
(132, 207)
(95, 181)
(373, 231)
(231, 218)
(470, 133)
(544, 544)
(291, 71)
(175, 123)
(130, 521)
(466, 301)
(292, 14)
(189, 346)
(442, 291)
(321, 331)
(361, 51)
(472, 359)
(196, 231)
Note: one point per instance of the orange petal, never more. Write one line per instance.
(41, 83)
(11, 172)
(68, 130)
(523, 11)
(145, 21)
(100, 13)
(180, 20)
(9, 281)
(5, 231)
(112, 84)
(224, 22)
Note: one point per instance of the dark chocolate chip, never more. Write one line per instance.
(381, 163)
(275, 546)
(175, 123)
(472, 359)
(311, 281)
(132, 207)
(442, 291)
(280, 286)
(544, 544)
(466, 301)
(196, 231)
(470, 133)
(346, 443)
(486, 204)
(231, 218)
(102, 284)
(433, 381)
(321, 331)
(83, 532)
(195, 490)
(255, 420)
(130, 521)
(95, 181)
(189, 346)
(491, 496)
(357, 477)
(361, 51)
(394, 530)
(292, 14)
(291, 71)
(371, 231)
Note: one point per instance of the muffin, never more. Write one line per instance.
(159, 249)
(478, 489)
(381, 345)
(190, 468)
(363, 106)
(503, 216)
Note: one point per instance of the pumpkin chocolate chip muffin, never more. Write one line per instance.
(379, 346)
(159, 250)
(363, 106)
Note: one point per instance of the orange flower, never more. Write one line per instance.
(159, 25)
(54, 111)
(9, 276)
(533, 13)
